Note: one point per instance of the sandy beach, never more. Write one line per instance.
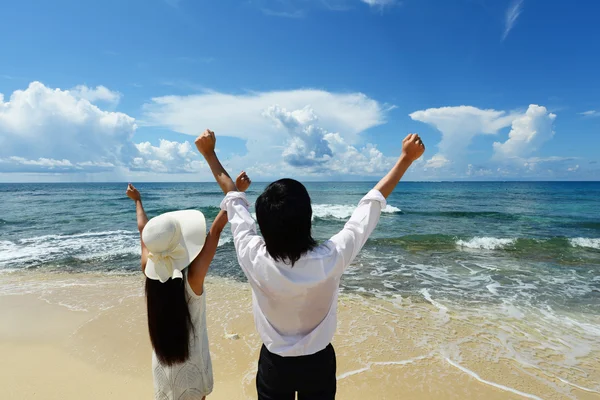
(83, 336)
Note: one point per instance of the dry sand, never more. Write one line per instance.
(83, 336)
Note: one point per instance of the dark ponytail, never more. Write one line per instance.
(169, 320)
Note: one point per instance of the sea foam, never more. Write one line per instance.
(343, 211)
(585, 242)
(340, 211)
(81, 246)
(486, 243)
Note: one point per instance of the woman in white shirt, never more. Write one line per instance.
(294, 280)
(176, 255)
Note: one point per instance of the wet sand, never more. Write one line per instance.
(83, 336)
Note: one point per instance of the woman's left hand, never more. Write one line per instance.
(243, 182)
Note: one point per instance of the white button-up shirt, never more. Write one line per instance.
(295, 308)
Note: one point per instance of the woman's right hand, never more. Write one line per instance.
(133, 193)
(243, 182)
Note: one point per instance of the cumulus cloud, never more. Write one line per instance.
(527, 134)
(56, 131)
(45, 130)
(311, 146)
(168, 157)
(437, 161)
(97, 94)
(242, 115)
(512, 14)
(40, 125)
(353, 160)
(281, 129)
(307, 145)
(459, 125)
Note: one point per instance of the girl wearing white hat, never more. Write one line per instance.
(176, 255)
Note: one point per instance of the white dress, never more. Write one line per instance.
(193, 379)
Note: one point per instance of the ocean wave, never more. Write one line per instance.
(72, 250)
(341, 211)
(225, 240)
(559, 246)
(585, 242)
(486, 243)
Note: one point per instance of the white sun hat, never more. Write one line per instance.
(174, 240)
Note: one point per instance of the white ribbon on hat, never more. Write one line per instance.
(163, 262)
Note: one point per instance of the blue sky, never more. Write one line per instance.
(313, 89)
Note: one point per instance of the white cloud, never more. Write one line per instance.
(93, 95)
(46, 130)
(357, 161)
(242, 116)
(478, 171)
(590, 113)
(270, 131)
(379, 3)
(307, 146)
(437, 161)
(40, 125)
(459, 125)
(168, 157)
(20, 164)
(573, 169)
(527, 134)
(318, 151)
(511, 16)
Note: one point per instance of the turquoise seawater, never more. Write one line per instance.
(527, 244)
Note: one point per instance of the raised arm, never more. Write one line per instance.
(199, 267)
(412, 149)
(206, 146)
(357, 230)
(142, 219)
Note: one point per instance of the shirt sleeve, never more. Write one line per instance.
(243, 228)
(357, 230)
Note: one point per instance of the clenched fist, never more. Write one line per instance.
(205, 143)
(133, 193)
(412, 147)
(243, 182)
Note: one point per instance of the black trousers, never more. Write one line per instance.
(313, 376)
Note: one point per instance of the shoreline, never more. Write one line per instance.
(68, 334)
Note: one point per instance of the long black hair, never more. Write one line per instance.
(284, 215)
(169, 320)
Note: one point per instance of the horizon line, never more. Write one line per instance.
(311, 181)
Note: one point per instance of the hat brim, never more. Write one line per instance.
(193, 236)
